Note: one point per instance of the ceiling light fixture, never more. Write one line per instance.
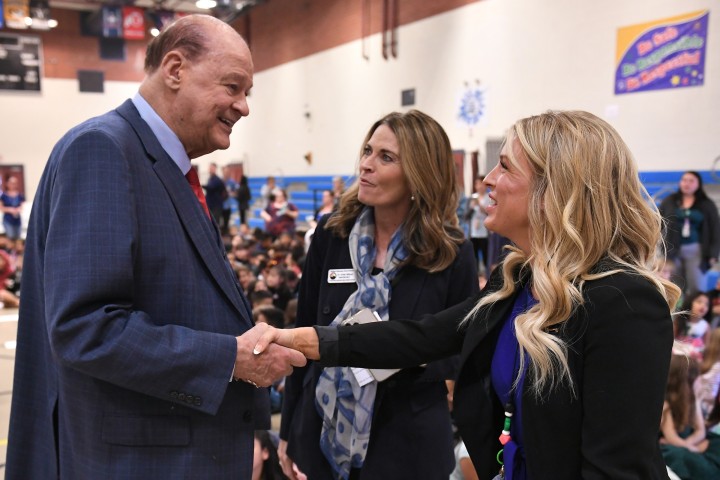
(205, 4)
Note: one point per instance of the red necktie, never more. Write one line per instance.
(192, 178)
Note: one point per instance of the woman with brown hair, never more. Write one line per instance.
(394, 246)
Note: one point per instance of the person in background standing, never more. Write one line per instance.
(243, 198)
(11, 201)
(338, 187)
(692, 231)
(132, 324)
(215, 196)
(327, 205)
(475, 216)
(267, 191)
(231, 189)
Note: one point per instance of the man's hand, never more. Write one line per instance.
(262, 369)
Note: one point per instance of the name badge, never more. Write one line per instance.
(341, 275)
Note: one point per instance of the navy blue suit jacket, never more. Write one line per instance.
(127, 324)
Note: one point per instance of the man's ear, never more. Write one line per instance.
(172, 66)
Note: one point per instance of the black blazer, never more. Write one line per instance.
(411, 435)
(619, 352)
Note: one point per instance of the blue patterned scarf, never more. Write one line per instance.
(345, 406)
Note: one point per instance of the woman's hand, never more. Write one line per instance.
(303, 339)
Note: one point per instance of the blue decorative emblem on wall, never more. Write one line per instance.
(472, 106)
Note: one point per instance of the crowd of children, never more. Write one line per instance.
(11, 255)
(690, 426)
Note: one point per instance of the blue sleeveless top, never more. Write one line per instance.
(504, 369)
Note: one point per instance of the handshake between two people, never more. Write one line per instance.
(266, 354)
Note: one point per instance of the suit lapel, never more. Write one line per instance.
(202, 232)
(480, 328)
(489, 317)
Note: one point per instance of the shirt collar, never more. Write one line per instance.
(167, 138)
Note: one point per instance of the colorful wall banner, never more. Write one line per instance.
(15, 13)
(2, 15)
(112, 22)
(40, 14)
(133, 23)
(667, 53)
(163, 18)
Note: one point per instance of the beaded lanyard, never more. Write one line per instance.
(505, 435)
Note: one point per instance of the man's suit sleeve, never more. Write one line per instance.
(93, 235)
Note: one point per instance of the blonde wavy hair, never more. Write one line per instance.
(431, 233)
(586, 204)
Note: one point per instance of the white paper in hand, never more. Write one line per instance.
(364, 375)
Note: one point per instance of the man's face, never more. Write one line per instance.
(212, 95)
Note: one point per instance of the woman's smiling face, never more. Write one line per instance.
(509, 184)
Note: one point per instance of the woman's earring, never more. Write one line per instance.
(412, 198)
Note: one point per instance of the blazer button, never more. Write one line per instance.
(198, 401)
(173, 395)
(181, 397)
(326, 310)
(247, 416)
(189, 399)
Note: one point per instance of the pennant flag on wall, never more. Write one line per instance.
(40, 14)
(133, 26)
(15, 13)
(668, 53)
(163, 18)
(112, 22)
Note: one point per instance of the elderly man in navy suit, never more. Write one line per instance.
(132, 324)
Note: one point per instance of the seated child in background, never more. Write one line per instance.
(685, 448)
(266, 464)
(7, 271)
(275, 318)
(269, 314)
(691, 326)
(668, 271)
(714, 296)
(707, 383)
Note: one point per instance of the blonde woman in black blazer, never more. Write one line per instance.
(593, 338)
